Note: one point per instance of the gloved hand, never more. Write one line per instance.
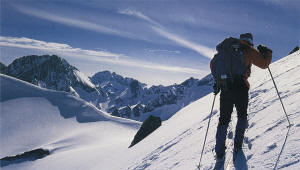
(264, 50)
(216, 87)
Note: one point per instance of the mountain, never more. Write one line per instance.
(101, 142)
(53, 72)
(129, 98)
(115, 86)
(110, 92)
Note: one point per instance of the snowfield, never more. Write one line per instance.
(81, 137)
(77, 134)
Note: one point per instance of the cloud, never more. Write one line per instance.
(205, 51)
(49, 46)
(161, 50)
(73, 22)
(66, 50)
(201, 49)
(132, 12)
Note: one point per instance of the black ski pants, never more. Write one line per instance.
(236, 95)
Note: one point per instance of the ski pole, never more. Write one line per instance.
(280, 98)
(207, 130)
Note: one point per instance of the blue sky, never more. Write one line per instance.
(156, 42)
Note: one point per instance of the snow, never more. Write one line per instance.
(159, 100)
(33, 117)
(102, 141)
(83, 78)
(269, 143)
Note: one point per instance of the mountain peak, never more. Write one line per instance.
(35, 59)
(51, 72)
(107, 76)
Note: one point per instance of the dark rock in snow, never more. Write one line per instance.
(26, 156)
(125, 112)
(294, 50)
(148, 126)
(116, 113)
(137, 110)
(134, 88)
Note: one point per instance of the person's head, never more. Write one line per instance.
(247, 37)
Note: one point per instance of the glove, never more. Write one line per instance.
(216, 87)
(264, 50)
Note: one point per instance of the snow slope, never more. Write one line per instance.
(32, 117)
(177, 144)
(269, 144)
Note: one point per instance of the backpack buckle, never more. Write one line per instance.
(226, 82)
(223, 76)
(236, 47)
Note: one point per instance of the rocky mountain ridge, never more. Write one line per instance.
(53, 72)
(110, 92)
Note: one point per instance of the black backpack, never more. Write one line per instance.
(229, 61)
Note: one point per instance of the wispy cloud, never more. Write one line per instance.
(161, 50)
(132, 12)
(158, 28)
(50, 46)
(73, 22)
(91, 55)
(201, 49)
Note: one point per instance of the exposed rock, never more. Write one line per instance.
(294, 50)
(134, 88)
(137, 110)
(148, 126)
(125, 112)
(26, 156)
(113, 93)
(53, 72)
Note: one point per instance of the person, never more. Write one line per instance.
(236, 94)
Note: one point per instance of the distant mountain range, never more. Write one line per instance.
(110, 92)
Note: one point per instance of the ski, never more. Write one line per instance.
(220, 164)
(230, 164)
(237, 161)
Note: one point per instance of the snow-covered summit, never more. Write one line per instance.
(135, 101)
(53, 72)
(107, 76)
(110, 92)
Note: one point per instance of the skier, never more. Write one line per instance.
(234, 89)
